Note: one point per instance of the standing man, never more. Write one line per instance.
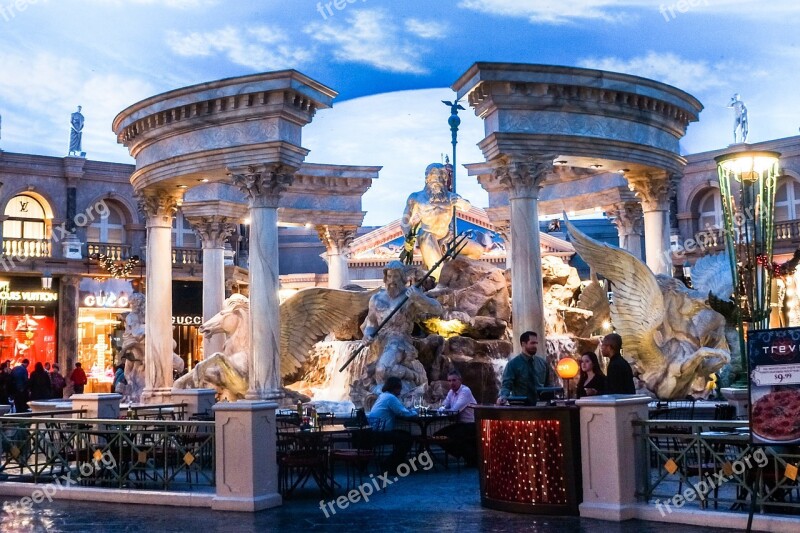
(619, 376)
(526, 373)
(19, 386)
(78, 379)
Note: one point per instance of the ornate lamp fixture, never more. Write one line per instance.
(747, 183)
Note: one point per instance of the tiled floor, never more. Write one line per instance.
(423, 501)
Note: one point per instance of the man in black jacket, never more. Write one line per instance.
(19, 386)
(619, 376)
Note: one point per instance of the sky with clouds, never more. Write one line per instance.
(391, 61)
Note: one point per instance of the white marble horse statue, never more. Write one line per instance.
(224, 371)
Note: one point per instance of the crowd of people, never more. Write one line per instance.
(19, 385)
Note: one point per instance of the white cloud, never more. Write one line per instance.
(667, 68)
(551, 12)
(258, 47)
(414, 134)
(371, 38)
(426, 29)
(173, 4)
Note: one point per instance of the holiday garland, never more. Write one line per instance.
(117, 270)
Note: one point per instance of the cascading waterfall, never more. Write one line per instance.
(333, 391)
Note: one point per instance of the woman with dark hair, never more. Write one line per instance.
(39, 383)
(382, 418)
(592, 381)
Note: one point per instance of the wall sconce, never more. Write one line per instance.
(47, 280)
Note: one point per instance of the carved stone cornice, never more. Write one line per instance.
(653, 189)
(523, 177)
(263, 184)
(157, 205)
(627, 217)
(213, 230)
(337, 239)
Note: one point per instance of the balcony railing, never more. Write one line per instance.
(187, 256)
(117, 252)
(26, 247)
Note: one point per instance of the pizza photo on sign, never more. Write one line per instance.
(776, 416)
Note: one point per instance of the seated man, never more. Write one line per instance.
(461, 435)
(382, 419)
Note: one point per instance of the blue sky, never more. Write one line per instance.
(391, 62)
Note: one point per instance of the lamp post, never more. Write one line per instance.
(567, 368)
(747, 183)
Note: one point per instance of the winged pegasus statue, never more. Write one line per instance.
(669, 332)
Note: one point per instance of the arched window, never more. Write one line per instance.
(25, 228)
(787, 200)
(710, 210)
(183, 236)
(109, 229)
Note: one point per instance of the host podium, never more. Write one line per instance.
(529, 459)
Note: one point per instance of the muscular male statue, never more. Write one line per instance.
(398, 357)
(432, 210)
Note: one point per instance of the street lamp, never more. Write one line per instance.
(747, 183)
(47, 280)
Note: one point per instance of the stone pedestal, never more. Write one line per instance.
(71, 247)
(610, 455)
(100, 405)
(46, 406)
(247, 469)
(739, 398)
(198, 401)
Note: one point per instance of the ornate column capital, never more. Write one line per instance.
(213, 230)
(337, 238)
(503, 228)
(627, 217)
(157, 205)
(653, 189)
(263, 184)
(523, 176)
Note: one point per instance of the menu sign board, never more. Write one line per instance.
(774, 356)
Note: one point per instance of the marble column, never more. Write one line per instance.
(68, 322)
(159, 207)
(523, 178)
(337, 240)
(653, 191)
(628, 218)
(263, 187)
(213, 230)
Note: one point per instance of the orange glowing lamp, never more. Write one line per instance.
(567, 368)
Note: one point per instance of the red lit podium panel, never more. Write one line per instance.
(529, 459)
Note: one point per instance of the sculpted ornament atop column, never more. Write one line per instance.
(627, 217)
(213, 230)
(337, 239)
(264, 184)
(157, 205)
(653, 189)
(523, 176)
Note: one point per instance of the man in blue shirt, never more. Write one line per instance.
(382, 419)
(526, 373)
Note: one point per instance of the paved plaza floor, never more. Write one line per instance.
(424, 501)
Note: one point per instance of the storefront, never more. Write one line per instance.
(28, 318)
(101, 323)
(187, 317)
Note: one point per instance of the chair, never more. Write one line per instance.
(302, 455)
(356, 457)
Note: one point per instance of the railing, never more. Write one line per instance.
(26, 247)
(117, 252)
(187, 256)
(789, 229)
(161, 411)
(130, 454)
(710, 463)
